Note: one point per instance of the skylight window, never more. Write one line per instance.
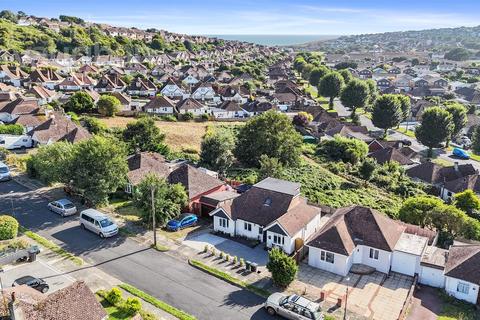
(267, 202)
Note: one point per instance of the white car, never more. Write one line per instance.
(98, 223)
(4, 172)
(293, 307)
(63, 207)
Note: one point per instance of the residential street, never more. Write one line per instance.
(158, 274)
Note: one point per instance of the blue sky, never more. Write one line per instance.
(263, 16)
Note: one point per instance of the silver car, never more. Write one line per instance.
(63, 207)
(293, 307)
(4, 172)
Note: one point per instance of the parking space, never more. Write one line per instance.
(371, 296)
(39, 269)
(233, 248)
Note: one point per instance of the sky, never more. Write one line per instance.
(333, 17)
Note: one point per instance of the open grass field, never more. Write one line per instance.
(180, 136)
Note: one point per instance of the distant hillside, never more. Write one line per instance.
(432, 39)
(82, 38)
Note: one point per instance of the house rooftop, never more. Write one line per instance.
(411, 243)
(282, 186)
(434, 257)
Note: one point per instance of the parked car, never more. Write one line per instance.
(460, 153)
(35, 283)
(293, 307)
(242, 188)
(183, 221)
(5, 174)
(98, 223)
(406, 143)
(63, 207)
(464, 141)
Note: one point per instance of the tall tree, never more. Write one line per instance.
(99, 168)
(355, 95)
(436, 127)
(459, 117)
(347, 75)
(468, 201)
(168, 199)
(330, 86)
(405, 104)
(387, 112)
(216, 150)
(270, 167)
(282, 267)
(316, 74)
(272, 134)
(144, 135)
(476, 140)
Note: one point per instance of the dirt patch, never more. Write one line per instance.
(180, 136)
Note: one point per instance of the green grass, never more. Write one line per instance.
(453, 309)
(408, 133)
(443, 162)
(161, 248)
(474, 156)
(51, 246)
(227, 277)
(157, 303)
(113, 312)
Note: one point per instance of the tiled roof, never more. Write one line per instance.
(463, 263)
(195, 181)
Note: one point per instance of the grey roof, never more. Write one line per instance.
(282, 186)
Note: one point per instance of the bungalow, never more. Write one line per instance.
(229, 110)
(58, 128)
(203, 91)
(141, 87)
(45, 77)
(450, 188)
(43, 95)
(160, 105)
(365, 74)
(12, 75)
(11, 110)
(110, 83)
(173, 90)
(272, 212)
(191, 105)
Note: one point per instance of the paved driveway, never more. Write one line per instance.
(233, 248)
(39, 269)
(373, 296)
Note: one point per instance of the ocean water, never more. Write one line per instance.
(273, 40)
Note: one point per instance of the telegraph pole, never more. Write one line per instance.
(153, 219)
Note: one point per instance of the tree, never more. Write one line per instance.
(355, 95)
(108, 105)
(367, 169)
(316, 74)
(457, 54)
(405, 105)
(93, 125)
(52, 163)
(272, 134)
(343, 149)
(459, 117)
(8, 15)
(346, 75)
(372, 93)
(330, 86)
(436, 127)
(476, 140)
(99, 168)
(80, 102)
(8, 227)
(387, 112)
(282, 267)
(168, 199)
(144, 135)
(302, 118)
(468, 202)
(216, 150)
(270, 167)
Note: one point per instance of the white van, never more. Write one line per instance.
(98, 223)
(11, 142)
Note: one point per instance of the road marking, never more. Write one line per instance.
(59, 273)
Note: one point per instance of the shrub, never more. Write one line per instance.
(187, 116)
(227, 257)
(242, 262)
(302, 118)
(204, 117)
(282, 267)
(169, 118)
(14, 129)
(205, 249)
(214, 252)
(132, 305)
(8, 227)
(235, 260)
(343, 149)
(221, 255)
(114, 296)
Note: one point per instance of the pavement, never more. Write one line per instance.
(166, 277)
(426, 304)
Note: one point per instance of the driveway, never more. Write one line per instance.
(39, 269)
(426, 304)
(158, 274)
(233, 248)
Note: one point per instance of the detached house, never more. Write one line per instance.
(272, 212)
(191, 105)
(203, 91)
(12, 75)
(141, 87)
(160, 105)
(173, 90)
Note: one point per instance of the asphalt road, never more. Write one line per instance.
(158, 274)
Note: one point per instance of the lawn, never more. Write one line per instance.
(408, 133)
(453, 309)
(180, 136)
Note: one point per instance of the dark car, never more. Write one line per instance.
(243, 188)
(184, 221)
(32, 282)
(406, 142)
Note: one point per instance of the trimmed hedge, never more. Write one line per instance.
(8, 227)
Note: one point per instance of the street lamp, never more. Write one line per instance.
(347, 279)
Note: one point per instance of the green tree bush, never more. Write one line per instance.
(8, 227)
(355, 95)
(108, 105)
(436, 127)
(144, 135)
(330, 86)
(343, 149)
(80, 102)
(216, 150)
(282, 267)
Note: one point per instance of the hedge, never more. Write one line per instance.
(8, 227)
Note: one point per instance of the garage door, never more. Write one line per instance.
(404, 263)
(432, 277)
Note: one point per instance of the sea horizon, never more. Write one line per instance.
(274, 39)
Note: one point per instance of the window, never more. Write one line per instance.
(128, 188)
(463, 287)
(247, 226)
(223, 222)
(280, 240)
(374, 254)
(327, 256)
